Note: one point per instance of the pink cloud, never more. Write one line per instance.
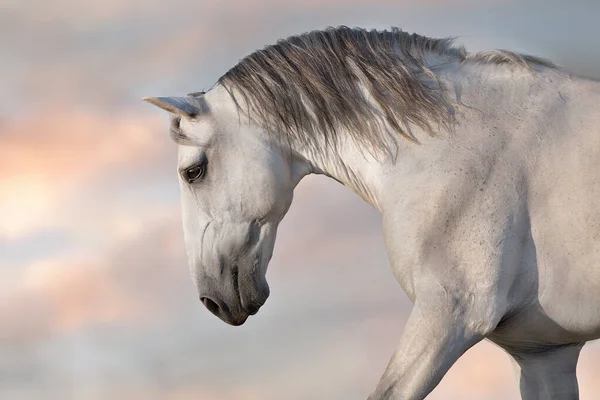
(79, 294)
(129, 283)
(49, 156)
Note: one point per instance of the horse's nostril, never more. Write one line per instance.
(211, 305)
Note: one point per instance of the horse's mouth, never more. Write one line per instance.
(254, 293)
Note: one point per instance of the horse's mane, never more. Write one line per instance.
(314, 83)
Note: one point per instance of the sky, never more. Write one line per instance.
(96, 300)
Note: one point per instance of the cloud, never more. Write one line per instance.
(47, 159)
(129, 283)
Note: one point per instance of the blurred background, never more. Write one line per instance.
(96, 301)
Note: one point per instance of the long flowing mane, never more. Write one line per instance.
(315, 83)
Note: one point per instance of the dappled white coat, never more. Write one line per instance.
(492, 227)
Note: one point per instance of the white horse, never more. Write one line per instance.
(485, 168)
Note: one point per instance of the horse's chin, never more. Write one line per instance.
(253, 295)
(250, 302)
(235, 321)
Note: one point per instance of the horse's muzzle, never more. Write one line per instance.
(222, 311)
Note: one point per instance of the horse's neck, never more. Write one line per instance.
(479, 93)
(350, 165)
(357, 168)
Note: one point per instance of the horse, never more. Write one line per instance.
(485, 168)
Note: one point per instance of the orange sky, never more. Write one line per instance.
(96, 300)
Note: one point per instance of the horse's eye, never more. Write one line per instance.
(195, 172)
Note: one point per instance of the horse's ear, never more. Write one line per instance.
(188, 107)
